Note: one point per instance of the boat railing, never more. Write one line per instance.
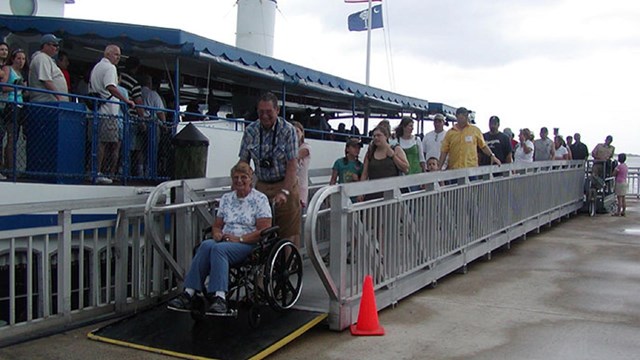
(59, 141)
(408, 240)
(79, 261)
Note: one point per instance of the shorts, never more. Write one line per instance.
(621, 189)
(288, 216)
(109, 131)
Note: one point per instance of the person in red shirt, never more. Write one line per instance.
(63, 64)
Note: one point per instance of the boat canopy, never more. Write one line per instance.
(204, 58)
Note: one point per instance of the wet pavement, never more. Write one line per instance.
(570, 292)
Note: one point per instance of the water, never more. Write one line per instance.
(632, 161)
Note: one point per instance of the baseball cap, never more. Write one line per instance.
(462, 111)
(354, 142)
(508, 132)
(49, 39)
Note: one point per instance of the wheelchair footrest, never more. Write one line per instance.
(229, 313)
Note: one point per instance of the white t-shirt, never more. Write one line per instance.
(431, 144)
(521, 156)
(104, 73)
(560, 152)
(44, 68)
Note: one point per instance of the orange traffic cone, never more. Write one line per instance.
(368, 314)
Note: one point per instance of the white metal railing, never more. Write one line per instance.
(75, 270)
(409, 240)
(190, 205)
(633, 179)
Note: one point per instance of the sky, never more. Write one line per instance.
(567, 64)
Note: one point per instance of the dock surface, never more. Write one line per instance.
(570, 292)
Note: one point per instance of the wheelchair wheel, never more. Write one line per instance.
(283, 275)
(592, 202)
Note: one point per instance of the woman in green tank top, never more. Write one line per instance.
(412, 147)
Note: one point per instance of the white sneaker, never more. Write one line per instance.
(2, 177)
(103, 180)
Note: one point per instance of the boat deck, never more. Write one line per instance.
(570, 292)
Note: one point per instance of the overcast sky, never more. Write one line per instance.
(571, 64)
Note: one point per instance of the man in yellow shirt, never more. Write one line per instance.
(461, 144)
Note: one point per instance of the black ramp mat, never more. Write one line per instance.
(173, 333)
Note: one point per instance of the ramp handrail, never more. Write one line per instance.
(185, 196)
(149, 211)
(311, 243)
(397, 239)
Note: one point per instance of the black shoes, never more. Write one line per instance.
(218, 306)
(183, 302)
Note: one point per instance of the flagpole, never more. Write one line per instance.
(368, 43)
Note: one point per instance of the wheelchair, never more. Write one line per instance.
(599, 187)
(270, 276)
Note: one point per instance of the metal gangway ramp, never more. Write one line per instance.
(405, 240)
(408, 240)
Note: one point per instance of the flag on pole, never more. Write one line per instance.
(358, 21)
(359, 1)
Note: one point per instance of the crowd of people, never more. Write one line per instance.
(47, 73)
(281, 158)
(462, 146)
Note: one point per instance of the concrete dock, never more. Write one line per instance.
(570, 292)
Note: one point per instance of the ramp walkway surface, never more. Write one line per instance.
(169, 332)
(570, 292)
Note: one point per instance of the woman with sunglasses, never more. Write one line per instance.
(11, 116)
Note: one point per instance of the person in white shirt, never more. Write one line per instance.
(432, 141)
(103, 81)
(561, 153)
(45, 74)
(524, 149)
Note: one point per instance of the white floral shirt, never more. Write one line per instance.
(240, 214)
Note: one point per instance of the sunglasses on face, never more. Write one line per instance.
(54, 45)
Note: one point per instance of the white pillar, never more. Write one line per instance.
(255, 25)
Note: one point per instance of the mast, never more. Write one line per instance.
(255, 25)
(368, 44)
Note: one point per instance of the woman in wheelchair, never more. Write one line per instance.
(242, 215)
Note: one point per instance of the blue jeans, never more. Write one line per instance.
(213, 259)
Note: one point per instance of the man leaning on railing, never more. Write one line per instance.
(103, 82)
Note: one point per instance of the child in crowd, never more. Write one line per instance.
(348, 168)
(620, 173)
(345, 170)
(432, 164)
